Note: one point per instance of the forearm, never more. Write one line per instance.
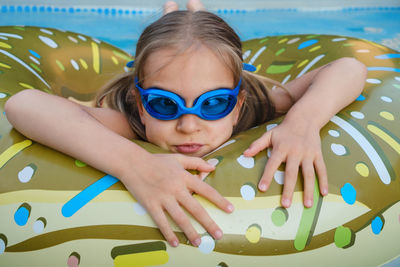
(331, 89)
(64, 126)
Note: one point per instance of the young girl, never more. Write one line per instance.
(187, 93)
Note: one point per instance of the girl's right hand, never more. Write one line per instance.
(165, 185)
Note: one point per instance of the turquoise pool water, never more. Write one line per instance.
(122, 27)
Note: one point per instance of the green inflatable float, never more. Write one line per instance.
(56, 211)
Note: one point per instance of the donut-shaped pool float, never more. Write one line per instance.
(57, 211)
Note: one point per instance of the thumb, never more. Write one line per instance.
(258, 145)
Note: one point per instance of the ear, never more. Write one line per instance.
(139, 105)
(240, 101)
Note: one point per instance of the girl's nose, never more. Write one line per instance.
(188, 123)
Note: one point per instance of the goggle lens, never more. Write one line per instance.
(162, 105)
(216, 105)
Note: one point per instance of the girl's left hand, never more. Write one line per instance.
(299, 145)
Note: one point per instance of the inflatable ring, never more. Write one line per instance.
(56, 210)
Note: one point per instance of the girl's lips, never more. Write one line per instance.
(188, 148)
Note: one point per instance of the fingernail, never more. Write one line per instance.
(218, 234)
(308, 203)
(174, 243)
(262, 187)
(230, 208)
(285, 202)
(324, 191)
(197, 242)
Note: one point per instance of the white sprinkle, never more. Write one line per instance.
(38, 226)
(271, 126)
(46, 31)
(246, 162)
(334, 133)
(48, 41)
(3, 38)
(34, 60)
(309, 65)
(81, 37)
(286, 79)
(246, 54)
(74, 64)
(374, 81)
(96, 40)
(207, 244)
(73, 39)
(338, 39)
(292, 41)
(397, 78)
(386, 99)
(26, 174)
(225, 144)
(338, 149)
(2, 246)
(126, 69)
(363, 51)
(357, 115)
(279, 177)
(139, 209)
(247, 192)
(269, 152)
(257, 54)
(2, 95)
(16, 36)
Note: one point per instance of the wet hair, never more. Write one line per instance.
(182, 30)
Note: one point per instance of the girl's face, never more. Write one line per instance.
(189, 75)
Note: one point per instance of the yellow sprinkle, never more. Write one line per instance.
(385, 137)
(27, 86)
(257, 68)
(314, 48)
(302, 63)
(12, 151)
(115, 60)
(121, 55)
(4, 45)
(253, 234)
(158, 257)
(5, 66)
(60, 65)
(362, 169)
(96, 57)
(283, 40)
(387, 115)
(83, 63)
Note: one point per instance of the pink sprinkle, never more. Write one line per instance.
(73, 261)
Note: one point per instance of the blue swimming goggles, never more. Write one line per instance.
(211, 105)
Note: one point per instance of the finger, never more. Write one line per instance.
(291, 172)
(320, 168)
(208, 192)
(309, 182)
(203, 175)
(270, 168)
(182, 220)
(194, 163)
(258, 145)
(160, 219)
(201, 215)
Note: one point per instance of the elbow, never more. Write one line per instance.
(357, 69)
(16, 105)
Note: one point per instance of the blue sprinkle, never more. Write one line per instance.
(90, 192)
(21, 216)
(249, 67)
(307, 43)
(377, 225)
(360, 98)
(387, 56)
(383, 69)
(348, 193)
(34, 53)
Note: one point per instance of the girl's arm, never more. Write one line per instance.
(318, 96)
(100, 138)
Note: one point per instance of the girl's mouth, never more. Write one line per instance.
(188, 148)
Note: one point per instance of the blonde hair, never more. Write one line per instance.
(181, 30)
